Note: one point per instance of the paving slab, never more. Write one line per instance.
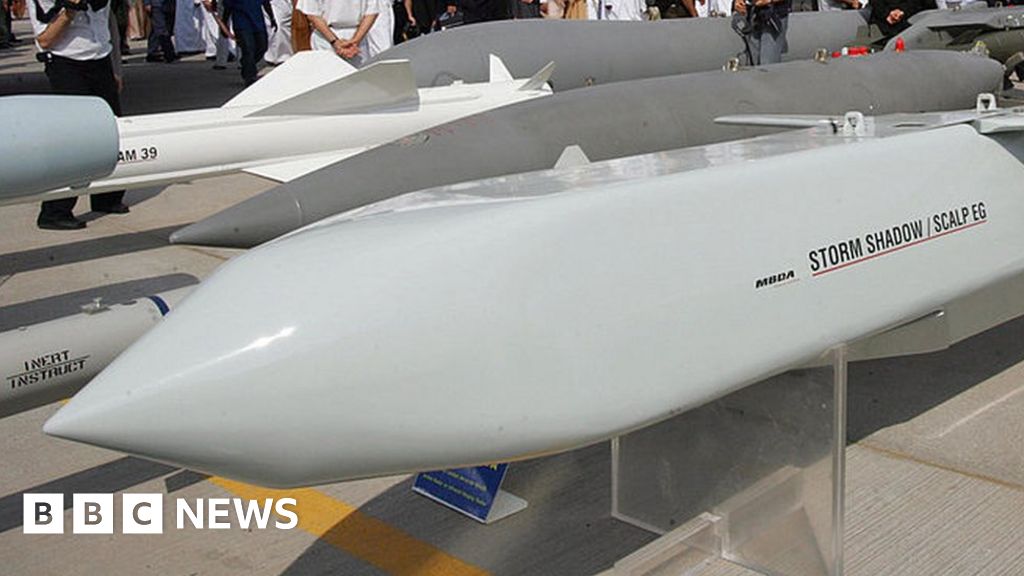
(979, 432)
(905, 517)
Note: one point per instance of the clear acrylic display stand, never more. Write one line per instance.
(754, 478)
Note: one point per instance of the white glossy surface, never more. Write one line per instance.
(491, 330)
(204, 143)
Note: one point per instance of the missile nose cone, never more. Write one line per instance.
(175, 398)
(226, 385)
(247, 224)
(88, 424)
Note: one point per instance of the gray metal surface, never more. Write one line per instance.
(610, 121)
(598, 52)
(1000, 29)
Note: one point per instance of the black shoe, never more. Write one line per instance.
(219, 67)
(154, 58)
(67, 222)
(118, 208)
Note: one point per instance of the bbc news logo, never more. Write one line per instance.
(144, 513)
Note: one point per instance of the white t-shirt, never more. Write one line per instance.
(87, 37)
(625, 9)
(616, 9)
(382, 34)
(713, 8)
(827, 5)
(342, 16)
(946, 4)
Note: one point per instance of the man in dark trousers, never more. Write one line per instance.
(161, 20)
(73, 37)
(764, 30)
(250, 32)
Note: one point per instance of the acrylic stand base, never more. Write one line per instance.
(755, 478)
(505, 505)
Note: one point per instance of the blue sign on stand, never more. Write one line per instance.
(471, 491)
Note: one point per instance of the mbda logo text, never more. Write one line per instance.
(144, 513)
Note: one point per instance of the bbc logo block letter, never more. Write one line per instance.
(93, 514)
(142, 513)
(43, 514)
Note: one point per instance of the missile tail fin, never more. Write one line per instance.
(572, 156)
(292, 169)
(301, 73)
(539, 79)
(499, 73)
(386, 84)
(776, 120)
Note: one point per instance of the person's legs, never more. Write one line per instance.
(247, 56)
(156, 27)
(100, 76)
(160, 34)
(772, 43)
(401, 22)
(261, 41)
(167, 10)
(66, 78)
(754, 45)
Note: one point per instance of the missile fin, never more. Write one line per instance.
(302, 72)
(499, 73)
(775, 120)
(288, 171)
(385, 84)
(1002, 123)
(539, 79)
(572, 156)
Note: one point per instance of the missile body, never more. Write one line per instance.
(605, 121)
(46, 362)
(599, 52)
(284, 135)
(535, 313)
(1000, 29)
(32, 160)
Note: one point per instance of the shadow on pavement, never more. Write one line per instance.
(882, 393)
(85, 250)
(107, 478)
(567, 528)
(45, 309)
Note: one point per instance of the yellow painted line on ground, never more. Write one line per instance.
(371, 540)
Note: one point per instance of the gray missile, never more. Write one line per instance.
(607, 121)
(46, 362)
(593, 52)
(32, 162)
(1001, 30)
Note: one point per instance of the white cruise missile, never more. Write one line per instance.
(529, 314)
(310, 112)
